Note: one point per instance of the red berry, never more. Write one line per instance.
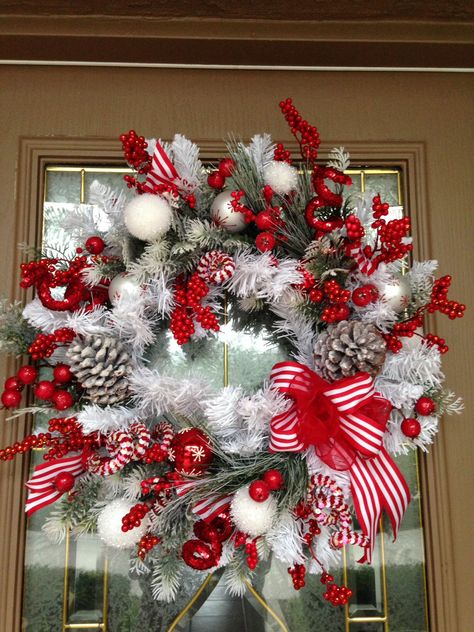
(274, 479)
(425, 406)
(363, 296)
(265, 241)
(62, 400)
(411, 427)
(265, 220)
(259, 491)
(45, 390)
(95, 245)
(63, 374)
(11, 399)
(27, 374)
(226, 167)
(216, 180)
(64, 482)
(13, 384)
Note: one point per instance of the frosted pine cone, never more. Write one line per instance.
(347, 348)
(101, 365)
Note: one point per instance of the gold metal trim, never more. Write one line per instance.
(190, 603)
(83, 186)
(84, 626)
(66, 580)
(71, 169)
(368, 620)
(384, 576)
(262, 602)
(105, 596)
(226, 346)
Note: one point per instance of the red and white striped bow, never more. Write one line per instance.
(41, 489)
(365, 265)
(162, 170)
(345, 423)
(208, 508)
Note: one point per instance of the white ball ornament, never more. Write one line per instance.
(224, 215)
(109, 526)
(396, 293)
(123, 285)
(251, 517)
(148, 216)
(281, 177)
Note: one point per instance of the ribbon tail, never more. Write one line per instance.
(377, 485)
(211, 507)
(284, 432)
(162, 170)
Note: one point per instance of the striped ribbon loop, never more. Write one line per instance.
(366, 266)
(162, 170)
(208, 508)
(41, 489)
(350, 432)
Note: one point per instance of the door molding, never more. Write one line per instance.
(37, 153)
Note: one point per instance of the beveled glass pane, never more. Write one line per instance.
(366, 582)
(366, 626)
(356, 186)
(85, 580)
(113, 180)
(386, 184)
(63, 186)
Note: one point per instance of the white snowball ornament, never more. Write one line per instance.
(148, 216)
(224, 215)
(109, 526)
(249, 516)
(281, 177)
(123, 285)
(396, 293)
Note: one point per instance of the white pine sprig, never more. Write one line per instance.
(286, 539)
(81, 321)
(131, 483)
(236, 575)
(166, 576)
(293, 325)
(421, 282)
(185, 157)
(420, 365)
(153, 261)
(339, 158)
(132, 320)
(261, 150)
(449, 403)
(95, 418)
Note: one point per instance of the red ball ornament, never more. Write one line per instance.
(216, 180)
(425, 406)
(411, 427)
(226, 167)
(11, 399)
(27, 374)
(201, 555)
(274, 479)
(13, 384)
(64, 482)
(265, 241)
(62, 400)
(63, 374)
(265, 220)
(259, 491)
(364, 295)
(45, 390)
(191, 451)
(95, 245)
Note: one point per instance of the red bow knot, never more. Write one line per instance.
(345, 423)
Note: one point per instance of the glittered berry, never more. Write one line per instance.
(363, 296)
(265, 241)
(27, 374)
(62, 400)
(226, 167)
(216, 180)
(11, 399)
(259, 491)
(64, 482)
(265, 220)
(62, 374)
(274, 479)
(425, 406)
(45, 390)
(13, 384)
(411, 427)
(95, 245)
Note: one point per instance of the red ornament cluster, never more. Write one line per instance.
(298, 573)
(188, 296)
(44, 345)
(216, 179)
(146, 544)
(336, 595)
(135, 516)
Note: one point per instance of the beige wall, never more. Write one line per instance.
(435, 109)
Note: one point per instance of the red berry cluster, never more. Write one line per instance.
(155, 454)
(28, 443)
(146, 544)
(44, 345)
(391, 236)
(269, 220)
(439, 300)
(336, 595)
(281, 154)
(354, 228)
(135, 151)
(188, 296)
(11, 396)
(337, 297)
(135, 516)
(216, 179)
(240, 539)
(410, 426)
(298, 572)
(307, 135)
(252, 554)
(313, 530)
(433, 340)
(73, 441)
(379, 209)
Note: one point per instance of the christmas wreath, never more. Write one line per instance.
(188, 475)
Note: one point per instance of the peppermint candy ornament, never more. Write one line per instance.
(216, 267)
(123, 447)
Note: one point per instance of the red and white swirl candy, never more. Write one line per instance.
(216, 267)
(123, 447)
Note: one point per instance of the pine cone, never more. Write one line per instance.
(101, 364)
(347, 348)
